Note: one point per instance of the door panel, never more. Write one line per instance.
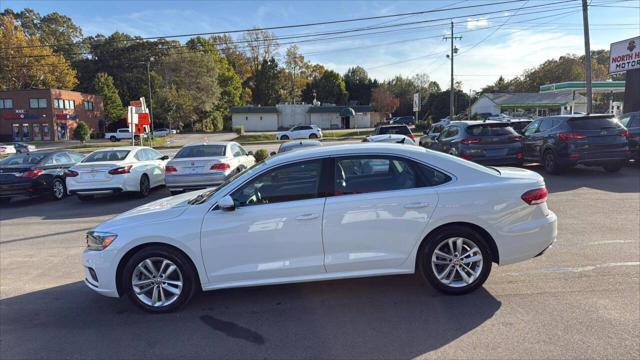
(375, 230)
(263, 242)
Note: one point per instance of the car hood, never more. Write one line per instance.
(159, 210)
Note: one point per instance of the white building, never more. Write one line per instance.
(285, 116)
(538, 104)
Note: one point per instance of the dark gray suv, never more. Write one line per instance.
(485, 142)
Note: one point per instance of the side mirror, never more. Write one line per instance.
(164, 157)
(272, 153)
(250, 153)
(227, 203)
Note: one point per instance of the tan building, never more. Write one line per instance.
(47, 114)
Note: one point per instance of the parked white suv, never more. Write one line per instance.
(113, 170)
(300, 132)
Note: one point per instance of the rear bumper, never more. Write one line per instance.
(118, 183)
(95, 191)
(528, 240)
(19, 189)
(184, 182)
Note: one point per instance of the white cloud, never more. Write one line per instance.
(478, 23)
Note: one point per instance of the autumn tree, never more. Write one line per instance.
(103, 86)
(383, 101)
(294, 75)
(26, 64)
(261, 45)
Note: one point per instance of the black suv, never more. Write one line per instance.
(632, 122)
(561, 142)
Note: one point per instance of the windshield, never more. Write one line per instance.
(402, 130)
(490, 130)
(203, 197)
(111, 155)
(201, 151)
(27, 159)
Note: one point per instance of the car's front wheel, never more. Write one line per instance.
(456, 260)
(613, 166)
(284, 137)
(159, 279)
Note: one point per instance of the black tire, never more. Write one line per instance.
(313, 136)
(184, 269)
(284, 137)
(113, 138)
(550, 163)
(58, 189)
(85, 197)
(145, 186)
(426, 268)
(613, 167)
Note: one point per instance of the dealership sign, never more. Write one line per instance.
(624, 55)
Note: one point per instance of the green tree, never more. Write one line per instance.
(294, 74)
(267, 83)
(329, 88)
(403, 89)
(82, 132)
(25, 64)
(103, 86)
(359, 85)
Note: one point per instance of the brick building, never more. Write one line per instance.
(47, 114)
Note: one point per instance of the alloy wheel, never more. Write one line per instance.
(457, 262)
(144, 186)
(58, 189)
(157, 282)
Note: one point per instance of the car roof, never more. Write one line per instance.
(476, 122)
(222, 143)
(129, 148)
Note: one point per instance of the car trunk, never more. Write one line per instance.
(597, 137)
(10, 174)
(95, 172)
(195, 166)
(492, 139)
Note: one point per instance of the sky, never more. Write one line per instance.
(503, 39)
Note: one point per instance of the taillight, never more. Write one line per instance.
(517, 138)
(220, 167)
(70, 173)
(170, 169)
(32, 173)
(120, 170)
(571, 136)
(411, 136)
(467, 157)
(470, 141)
(536, 196)
(624, 133)
(519, 155)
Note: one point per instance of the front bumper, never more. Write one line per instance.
(104, 265)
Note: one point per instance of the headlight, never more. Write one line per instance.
(99, 240)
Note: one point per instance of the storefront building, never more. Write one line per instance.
(47, 114)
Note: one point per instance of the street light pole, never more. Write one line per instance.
(452, 109)
(150, 96)
(587, 56)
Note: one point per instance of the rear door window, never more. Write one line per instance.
(532, 127)
(546, 124)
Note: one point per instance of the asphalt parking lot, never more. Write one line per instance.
(579, 300)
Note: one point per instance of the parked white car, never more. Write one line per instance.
(7, 149)
(325, 213)
(198, 166)
(390, 138)
(114, 170)
(121, 134)
(300, 132)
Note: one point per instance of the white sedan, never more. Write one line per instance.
(128, 168)
(300, 132)
(390, 138)
(325, 213)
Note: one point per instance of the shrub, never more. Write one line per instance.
(239, 130)
(82, 132)
(261, 155)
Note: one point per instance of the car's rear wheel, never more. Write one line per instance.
(550, 163)
(284, 137)
(85, 197)
(613, 166)
(145, 186)
(455, 261)
(58, 189)
(159, 279)
(313, 136)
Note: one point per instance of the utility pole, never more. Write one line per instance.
(454, 50)
(587, 56)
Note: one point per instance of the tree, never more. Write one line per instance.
(383, 101)
(329, 88)
(261, 46)
(103, 86)
(55, 29)
(294, 79)
(358, 84)
(403, 89)
(438, 104)
(25, 64)
(82, 132)
(190, 89)
(267, 83)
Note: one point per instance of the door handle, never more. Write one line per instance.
(416, 205)
(307, 217)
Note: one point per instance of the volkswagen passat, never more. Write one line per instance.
(325, 213)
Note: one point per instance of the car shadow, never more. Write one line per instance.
(627, 180)
(72, 208)
(387, 317)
